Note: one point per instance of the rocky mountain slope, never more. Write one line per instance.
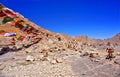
(115, 39)
(12, 22)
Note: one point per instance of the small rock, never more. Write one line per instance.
(80, 51)
(59, 60)
(18, 47)
(64, 48)
(45, 59)
(30, 58)
(93, 55)
(110, 56)
(118, 53)
(45, 53)
(117, 61)
(50, 41)
(94, 60)
(27, 51)
(36, 58)
(48, 59)
(41, 56)
(85, 54)
(53, 62)
(14, 48)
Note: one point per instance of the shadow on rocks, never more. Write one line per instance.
(118, 75)
(4, 50)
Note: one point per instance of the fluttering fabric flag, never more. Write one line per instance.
(9, 34)
(7, 19)
(2, 13)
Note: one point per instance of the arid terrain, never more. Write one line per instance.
(27, 50)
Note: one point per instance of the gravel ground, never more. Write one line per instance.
(14, 64)
(11, 67)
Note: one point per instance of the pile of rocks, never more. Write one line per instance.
(41, 57)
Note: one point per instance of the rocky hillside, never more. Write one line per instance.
(115, 38)
(17, 32)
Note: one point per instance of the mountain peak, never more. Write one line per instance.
(118, 34)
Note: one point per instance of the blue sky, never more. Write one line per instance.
(94, 18)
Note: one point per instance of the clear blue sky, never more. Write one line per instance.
(95, 18)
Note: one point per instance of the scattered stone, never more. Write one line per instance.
(118, 54)
(14, 48)
(45, 53)
(93, 55)
(110, 53)
(36, 58)
(117, 61)
(30, 58)
(45, 59)
(27, 51)
(41, 56)
(110, 56)
(94, 60)
(85, 54)
(80, 51)
(19, 47)
(50, 41)
(48, 59)
(64, 48)
(53, 62)
(59, 60)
